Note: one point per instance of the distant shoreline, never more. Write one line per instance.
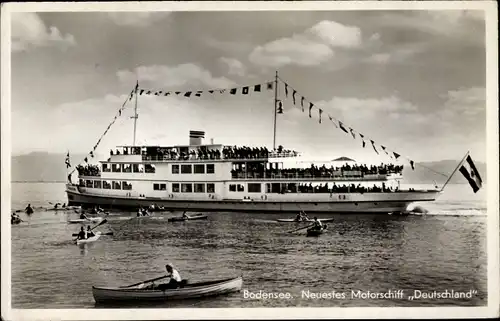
(38, 181)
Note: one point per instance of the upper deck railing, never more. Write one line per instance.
(196, 158)
(344, 176)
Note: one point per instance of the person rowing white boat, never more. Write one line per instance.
(83, 216)
(175, 278)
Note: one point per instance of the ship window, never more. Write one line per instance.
(81, 182)
(175, 187)
(89, 183)
(236, 188)
(175, 169)
(186, 169)
(253, 187)
(126, 168)
(149, 168)
(199, 188)
(291, 188)
(106, 168)
(126, 186)
(156, 187)
(116, 185)
(97, 184)
(186, 188)
(232, 187)
(210, 169)
(138, 168)
(115, 168)
(199, 169)
(106, 185)
(241, 188)
(210, 188)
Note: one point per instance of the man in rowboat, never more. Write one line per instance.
(28, 209)
(317, 224)
(81, 234)
(175, 278)
(89, 232)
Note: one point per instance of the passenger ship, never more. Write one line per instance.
(216, 177)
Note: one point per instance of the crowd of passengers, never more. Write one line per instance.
(309, 188)
(228, 152)
(322, 171)
(88, 170)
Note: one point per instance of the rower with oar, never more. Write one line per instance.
(83, 235)
(174, 282)
(316, 225)
(28, 209)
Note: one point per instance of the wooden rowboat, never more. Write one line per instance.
(188, 291)
(189, 218)
(316, 232)
(292, 220)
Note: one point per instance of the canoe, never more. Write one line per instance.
(187, 291)
(190, 218)
(315, 232)
(84, 220)
(90, 239)
(292, 220)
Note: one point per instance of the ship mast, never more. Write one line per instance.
(135, 111)
(275, 107)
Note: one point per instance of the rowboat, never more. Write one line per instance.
(293, 220)
(315, 231)
(189, 218)
(90, 239)
(187, 291)
(85, 220)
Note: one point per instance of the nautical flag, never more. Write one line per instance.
(91, 154)
(302, 102)
(352, 133)
(167, 93)
(68, 165)
(233, 91)
(256, 88)
(362, 138)
(119, 112)
(222, 91)
(280, 107)
(293, 96)
(320, 112)
(333, 122)
(160, 92)
(142, 90)
(187, 94)
(373, 144)
(157, 93)
(198, 94)
(342, 127)
(383, 147)
(396, 155)
(269, 86)
(470, 172)
(86, 160)
(244, 90)
(412, 164)
(286, 89)
(311, 105)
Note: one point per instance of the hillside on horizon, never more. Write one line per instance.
(49, 167)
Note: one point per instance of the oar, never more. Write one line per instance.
(301, 228)
(147, 281)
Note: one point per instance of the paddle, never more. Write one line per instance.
(301, 228)
(147, 281)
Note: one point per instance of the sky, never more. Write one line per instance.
(413, 81)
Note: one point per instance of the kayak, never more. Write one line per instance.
(16, 221)
(84, 220)
(186, 291)
(292, 220)
(315, 231)
(90, 239)
(189, 218)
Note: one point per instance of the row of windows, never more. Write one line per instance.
(129, 168)
(190, 188)
(196, 169)
(122, 185)
(252, 188)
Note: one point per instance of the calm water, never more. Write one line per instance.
(444, 250)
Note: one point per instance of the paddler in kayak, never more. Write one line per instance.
(83, 216)
(81, 235)
(89, 232)
(175, 278)
(28, 209)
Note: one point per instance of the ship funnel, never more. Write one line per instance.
(196, 137)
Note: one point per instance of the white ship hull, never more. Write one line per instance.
(327, 203)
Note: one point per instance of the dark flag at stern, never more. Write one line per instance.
(470, 172)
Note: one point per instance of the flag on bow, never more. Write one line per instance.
(68, 165)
